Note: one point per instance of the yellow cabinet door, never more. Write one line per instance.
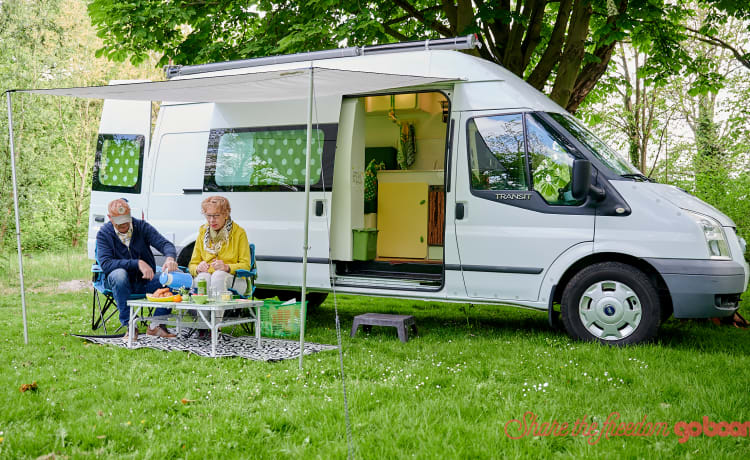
(402, 220)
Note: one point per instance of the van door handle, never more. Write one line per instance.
(460, 211)
(192, 191)
(319, 207)
(99, 219)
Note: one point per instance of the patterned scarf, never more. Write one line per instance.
(213, 240)
(125, 237)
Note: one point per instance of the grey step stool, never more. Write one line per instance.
(380, 319)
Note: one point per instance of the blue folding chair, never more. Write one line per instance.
(102, 311)
(248, 275)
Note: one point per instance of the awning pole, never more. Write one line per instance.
(308, 156)
(18, 223)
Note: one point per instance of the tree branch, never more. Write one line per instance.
(551, 56)
(399, 19)
(740, 55)
(418, 15)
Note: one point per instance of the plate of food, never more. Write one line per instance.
(161, 295)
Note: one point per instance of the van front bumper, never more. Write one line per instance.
(702, 288)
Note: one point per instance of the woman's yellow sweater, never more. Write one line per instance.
(235, 252)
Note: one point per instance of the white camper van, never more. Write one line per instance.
(487, 192)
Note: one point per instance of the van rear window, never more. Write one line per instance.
(119, 163)
(269, 159)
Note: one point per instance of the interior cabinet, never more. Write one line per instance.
(403, 212)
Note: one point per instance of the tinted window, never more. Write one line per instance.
(256, 159)
(119, 163)
(497, 154)
(551, 164)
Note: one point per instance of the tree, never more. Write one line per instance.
(559, 46)
(50, 43)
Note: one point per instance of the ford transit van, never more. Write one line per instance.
(478, 189)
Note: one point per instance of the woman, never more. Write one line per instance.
(221, 248)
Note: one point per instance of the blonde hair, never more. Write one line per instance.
(221, 203)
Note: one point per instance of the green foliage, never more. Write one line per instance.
(49, 43)
(521, 37)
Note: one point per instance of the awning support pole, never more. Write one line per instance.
(308, 156)
(18, 223)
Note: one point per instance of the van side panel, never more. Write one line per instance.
(131, 118)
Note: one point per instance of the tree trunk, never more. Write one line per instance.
(570, 62)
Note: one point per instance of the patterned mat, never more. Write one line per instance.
(243, 346)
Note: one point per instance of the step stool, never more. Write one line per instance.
(380, 319)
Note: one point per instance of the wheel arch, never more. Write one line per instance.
(653, 275)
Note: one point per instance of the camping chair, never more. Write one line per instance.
(103, 310)
(249, 276)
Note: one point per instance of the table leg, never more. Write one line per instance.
(257, 325)
(130, 327)
(213, 333)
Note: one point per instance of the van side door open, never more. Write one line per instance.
(514, 212)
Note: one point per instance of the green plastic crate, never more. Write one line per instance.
(280, 321)
(365, 243)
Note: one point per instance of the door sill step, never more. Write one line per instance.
(386, 283)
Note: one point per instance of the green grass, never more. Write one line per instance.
(445, 394)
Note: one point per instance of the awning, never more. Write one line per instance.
(275, 85)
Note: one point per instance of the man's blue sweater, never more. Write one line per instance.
(112, 254)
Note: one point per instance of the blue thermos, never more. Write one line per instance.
(176, 280)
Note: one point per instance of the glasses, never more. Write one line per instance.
(213, 216)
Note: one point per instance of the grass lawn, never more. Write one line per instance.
(446, 394)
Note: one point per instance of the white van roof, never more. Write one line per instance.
(501, 87)
(481, 84)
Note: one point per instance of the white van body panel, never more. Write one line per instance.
(501, 237)
(554, 273)
(120, 117)
(656, 227)
(684, 200)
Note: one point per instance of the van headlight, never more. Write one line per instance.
(716, 240)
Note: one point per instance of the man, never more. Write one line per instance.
(124, 253)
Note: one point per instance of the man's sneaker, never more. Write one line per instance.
(160, 331)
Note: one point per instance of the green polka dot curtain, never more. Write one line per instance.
(120, 161)
(267, 158)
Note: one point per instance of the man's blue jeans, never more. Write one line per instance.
(122, 287)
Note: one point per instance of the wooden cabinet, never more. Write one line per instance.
(403, 212)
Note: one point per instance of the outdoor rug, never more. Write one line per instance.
(243, 346)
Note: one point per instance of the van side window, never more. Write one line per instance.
(267, 159)
(551, 164)
(119, 163)
(497, 153)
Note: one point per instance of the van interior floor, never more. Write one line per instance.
(428, 271)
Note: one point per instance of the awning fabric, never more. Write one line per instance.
(275, 85)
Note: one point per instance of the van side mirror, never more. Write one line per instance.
(581, 180)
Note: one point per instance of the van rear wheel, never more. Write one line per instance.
(613, 303)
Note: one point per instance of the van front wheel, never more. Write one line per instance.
(611, 302)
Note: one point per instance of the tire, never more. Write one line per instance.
(314, 299)
(613, 303)
(183, 259)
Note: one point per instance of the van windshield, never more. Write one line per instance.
(602, 151)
